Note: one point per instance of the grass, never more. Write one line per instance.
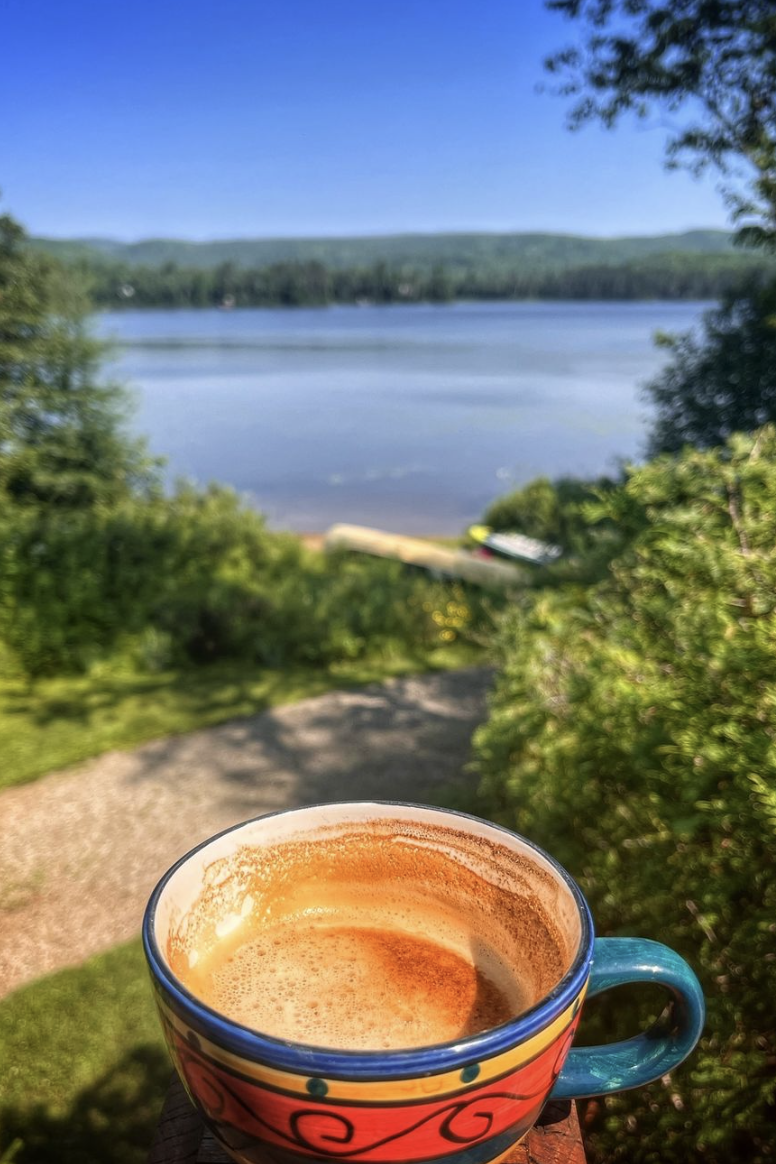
(51, 723)
(84, 1069)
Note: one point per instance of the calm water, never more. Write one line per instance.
(410, 417)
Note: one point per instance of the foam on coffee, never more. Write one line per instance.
(367, 938)
(350, 986)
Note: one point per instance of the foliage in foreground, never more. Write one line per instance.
(632, 733)
(62, 439)
(549, 510)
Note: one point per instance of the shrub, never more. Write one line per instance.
(199, 567)
(549, 510)
(632, 733)
(357, 604)
(197, 577)
(568, 513)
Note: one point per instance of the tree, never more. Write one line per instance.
(722, 383)
(61, 435)
(440, 286)
(719, 58)
(716, 56)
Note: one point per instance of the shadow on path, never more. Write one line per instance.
(401, 740)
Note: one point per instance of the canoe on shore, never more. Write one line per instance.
(437, 560)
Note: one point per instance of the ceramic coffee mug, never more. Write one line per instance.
(272, 1101)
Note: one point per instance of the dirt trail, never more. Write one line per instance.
(83, 848)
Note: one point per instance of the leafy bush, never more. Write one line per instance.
(196, 578)
(358, 604)
(549, 510)
(74, 583)
(632, 733)
(565, 512)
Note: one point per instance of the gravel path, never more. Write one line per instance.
(82, 849)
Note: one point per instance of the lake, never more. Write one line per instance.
(411, 418)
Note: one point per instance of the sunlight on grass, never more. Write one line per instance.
(84, 1065)
(48, 724)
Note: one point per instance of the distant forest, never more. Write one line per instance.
(410, 268)
(311, 283)
(457, 252)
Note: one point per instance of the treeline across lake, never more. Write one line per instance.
(311, 283)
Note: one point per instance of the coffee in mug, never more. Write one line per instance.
(386, 937)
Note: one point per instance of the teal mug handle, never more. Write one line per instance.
(634, 1062)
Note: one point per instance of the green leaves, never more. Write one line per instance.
(722, 382)
(62, 442)
(716, 59)
(196, 577)
(633, 733)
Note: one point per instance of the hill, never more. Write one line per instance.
(458, 252)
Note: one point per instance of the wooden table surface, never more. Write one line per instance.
(182, 1139)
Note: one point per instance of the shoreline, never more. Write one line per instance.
(635, 301)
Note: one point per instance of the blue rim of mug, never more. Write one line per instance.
(307, 1059)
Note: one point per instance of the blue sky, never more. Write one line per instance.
(132, 118)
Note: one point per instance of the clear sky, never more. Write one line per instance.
(199, 119)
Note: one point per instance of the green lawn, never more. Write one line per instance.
(84, 1069)
(51, 723)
